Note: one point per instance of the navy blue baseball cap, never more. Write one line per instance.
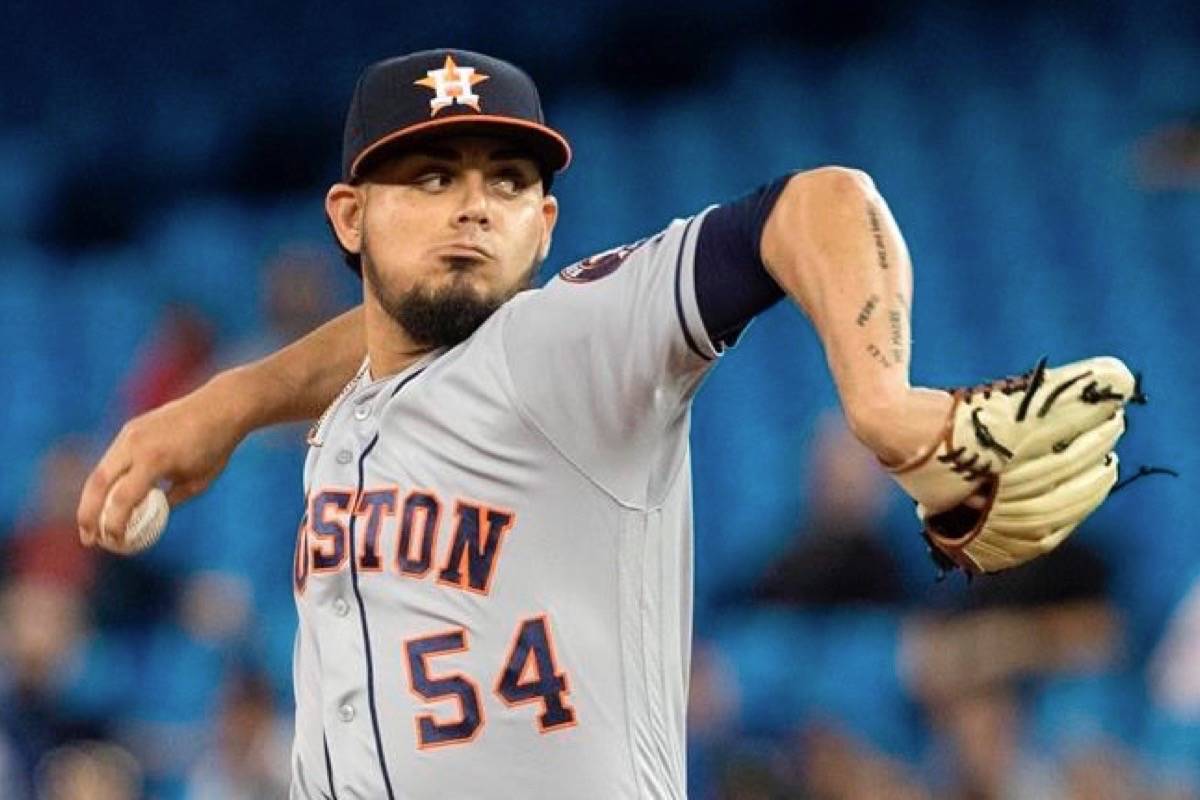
(401, 101)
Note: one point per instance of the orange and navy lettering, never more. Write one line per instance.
(470, 560)
(329, 534)
(300, 562)
(419, 522)
(426, 687)
(375, 504)
(531, 675)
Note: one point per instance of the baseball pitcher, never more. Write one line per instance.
(494, 556)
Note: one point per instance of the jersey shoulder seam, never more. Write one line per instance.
(528, 420)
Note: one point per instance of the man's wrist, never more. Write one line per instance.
(870, 411)
(901, 428)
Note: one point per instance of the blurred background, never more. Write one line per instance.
(162, 168)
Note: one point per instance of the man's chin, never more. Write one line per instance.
(443, 318)
(466, 281)
(442, 311)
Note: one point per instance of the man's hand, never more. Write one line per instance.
(185, 443)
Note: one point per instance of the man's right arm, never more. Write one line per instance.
(187, 442)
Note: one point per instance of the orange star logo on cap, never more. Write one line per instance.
(452, 84)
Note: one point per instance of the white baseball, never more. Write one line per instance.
(145, 526)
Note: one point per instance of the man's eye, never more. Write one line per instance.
(433, 181)
(508, 184)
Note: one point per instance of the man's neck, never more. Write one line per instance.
(389, 347)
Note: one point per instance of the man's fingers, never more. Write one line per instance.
(112, 466)
(126, 492)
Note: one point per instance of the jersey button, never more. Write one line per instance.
(345, 457)
(341, 607)
(346, 713)
(362, 412)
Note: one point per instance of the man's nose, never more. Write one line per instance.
(474, 207)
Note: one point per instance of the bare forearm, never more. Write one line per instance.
(300, 380)
(834, 247)
(187, 442)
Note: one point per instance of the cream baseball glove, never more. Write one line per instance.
(1021, 462)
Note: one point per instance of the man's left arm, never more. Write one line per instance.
(831, 243)
(1003, 471)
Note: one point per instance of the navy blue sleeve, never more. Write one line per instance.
(732, 285)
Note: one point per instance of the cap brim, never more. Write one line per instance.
(546, 145)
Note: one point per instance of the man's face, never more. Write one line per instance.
(448, 231)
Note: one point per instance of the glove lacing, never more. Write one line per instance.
(1029, 383)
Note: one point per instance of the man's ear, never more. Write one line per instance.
(550, 216)
(344, 207)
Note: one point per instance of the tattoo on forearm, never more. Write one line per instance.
(864, 316)
(896, 332)
(881, 254)
(878, 355)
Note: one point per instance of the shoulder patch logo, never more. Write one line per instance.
(452, 84)
(593, 268)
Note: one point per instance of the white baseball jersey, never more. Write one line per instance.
(494, 569)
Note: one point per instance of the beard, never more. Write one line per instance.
(443, 316)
